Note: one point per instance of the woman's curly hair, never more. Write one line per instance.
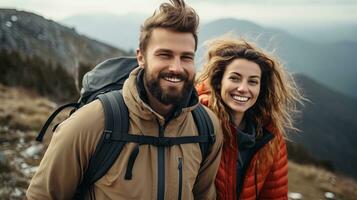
(278, 97)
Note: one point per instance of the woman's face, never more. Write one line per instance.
(240, 85)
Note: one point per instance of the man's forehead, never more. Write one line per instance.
(165, 39)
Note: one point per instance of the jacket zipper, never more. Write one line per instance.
(161, 167)
(255, 149)
(180, 178)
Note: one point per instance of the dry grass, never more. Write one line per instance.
(313, 182)
(24, 110)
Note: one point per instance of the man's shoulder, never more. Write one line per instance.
(90, 112)
(88, 118)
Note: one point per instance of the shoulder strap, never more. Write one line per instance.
(51, 118)
(116, 122)
(205, 128)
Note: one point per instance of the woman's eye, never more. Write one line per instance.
(233, 78)
(253, 82)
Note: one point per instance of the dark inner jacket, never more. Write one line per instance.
(248, 145)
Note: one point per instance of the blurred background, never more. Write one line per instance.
(47, 46)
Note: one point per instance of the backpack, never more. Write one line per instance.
(104, 82)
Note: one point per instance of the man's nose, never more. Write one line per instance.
(176, 65)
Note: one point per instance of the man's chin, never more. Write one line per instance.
(173, 96)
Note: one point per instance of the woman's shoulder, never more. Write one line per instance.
(204, 92)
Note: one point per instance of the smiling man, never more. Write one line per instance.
(169, 70)
(160, 98)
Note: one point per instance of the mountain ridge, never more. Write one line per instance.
(33, 35)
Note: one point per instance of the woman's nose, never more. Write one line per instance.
(243, 87)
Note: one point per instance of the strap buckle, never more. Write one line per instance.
(107, 135)
(163, 141)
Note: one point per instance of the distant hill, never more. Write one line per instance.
(32, 35)
(328, 125)
(333, 64)
(324, 33)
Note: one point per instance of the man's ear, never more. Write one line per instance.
(140, 58)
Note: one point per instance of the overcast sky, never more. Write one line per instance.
(271, 12)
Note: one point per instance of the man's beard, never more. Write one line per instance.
(169, 96)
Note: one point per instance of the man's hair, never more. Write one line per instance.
(175, 16)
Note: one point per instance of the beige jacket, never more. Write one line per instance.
(75, 140)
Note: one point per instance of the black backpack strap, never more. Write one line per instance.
(205, 129)
(116, 123)
(162, 141)
(51, 118)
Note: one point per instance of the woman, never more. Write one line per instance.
(254, 99)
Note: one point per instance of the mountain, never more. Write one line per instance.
(32, 35)
(328, 126)
(333, 64)
(45, 56)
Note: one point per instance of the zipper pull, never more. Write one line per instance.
(180, 164)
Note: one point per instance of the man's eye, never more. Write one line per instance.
(164, 55)
(188, 58)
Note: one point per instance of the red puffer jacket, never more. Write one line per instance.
(266, 175)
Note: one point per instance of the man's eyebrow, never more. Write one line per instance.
(188, 53)
(163, 51)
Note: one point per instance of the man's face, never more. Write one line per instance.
(168, 65)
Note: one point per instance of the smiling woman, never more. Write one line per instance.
(254, 98)
(240, 86)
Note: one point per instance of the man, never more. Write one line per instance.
(160, 97)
